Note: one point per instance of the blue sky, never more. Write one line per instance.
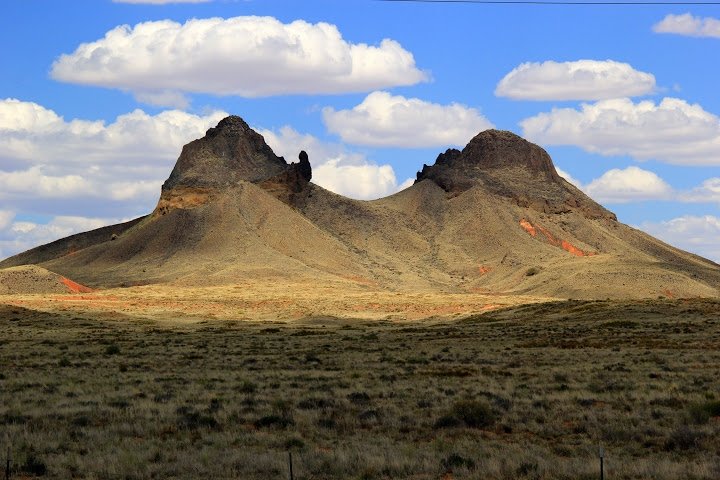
(97, 98)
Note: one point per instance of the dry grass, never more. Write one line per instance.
(527, 392)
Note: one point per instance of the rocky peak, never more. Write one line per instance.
(508, 165)
(489, 153)
(231, 125)
(229, 153)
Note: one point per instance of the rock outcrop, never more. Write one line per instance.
(510, 166)
(230, 153)
(290, 186)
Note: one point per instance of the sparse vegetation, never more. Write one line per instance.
(525, 392)
(532, 271)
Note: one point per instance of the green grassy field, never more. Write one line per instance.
(526, 392)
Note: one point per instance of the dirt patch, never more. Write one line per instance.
(528, 226)
(76, 287)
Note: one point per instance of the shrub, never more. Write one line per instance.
(112, 350)
(526, 469)
(190, 419)
(327, 423)
(700, 414)
(447, 421)
(248, 387)
(369, 415)
(456, 461)
(315, 403)
(713, 408)
(294, 443)
(274, 420)
(359, 398)
(684, 438)
(34, 465)
(532, 271)
(64, 362)
(81, 421)
(474, 413)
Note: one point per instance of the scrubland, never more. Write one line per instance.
(524, 392)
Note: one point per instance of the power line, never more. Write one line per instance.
(551, 2)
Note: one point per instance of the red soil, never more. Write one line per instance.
(76, 287)
(484, 270)
(528, 226)
(567, 246)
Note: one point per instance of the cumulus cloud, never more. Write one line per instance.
(634, 184)
(689, 25)
(164, 98)
(694, 234)
(334, 167)
(6, 217)
(44, 158)
(629, 185)
(580, 80)
(384, 120)
(708, 192)
(245, 56)
(16, 237)
(672, 131)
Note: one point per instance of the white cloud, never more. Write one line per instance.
(245, 56)
(708, 192)
(164, 98)
(16, 237)
(672, 131)
(33, 180)
(580, 80)
(629, 185)
(6, 217)
(334, 167)
(44, 158)
(634, 184)
(694, 234)
(686, 24)
(384, 120)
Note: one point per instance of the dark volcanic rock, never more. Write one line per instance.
(491, 150)
(289, 186)
(227, 154)
(230, 152)
(508, 165)
(303, 167)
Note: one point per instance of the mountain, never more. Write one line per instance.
(493, 218)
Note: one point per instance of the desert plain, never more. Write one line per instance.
(152, 382)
